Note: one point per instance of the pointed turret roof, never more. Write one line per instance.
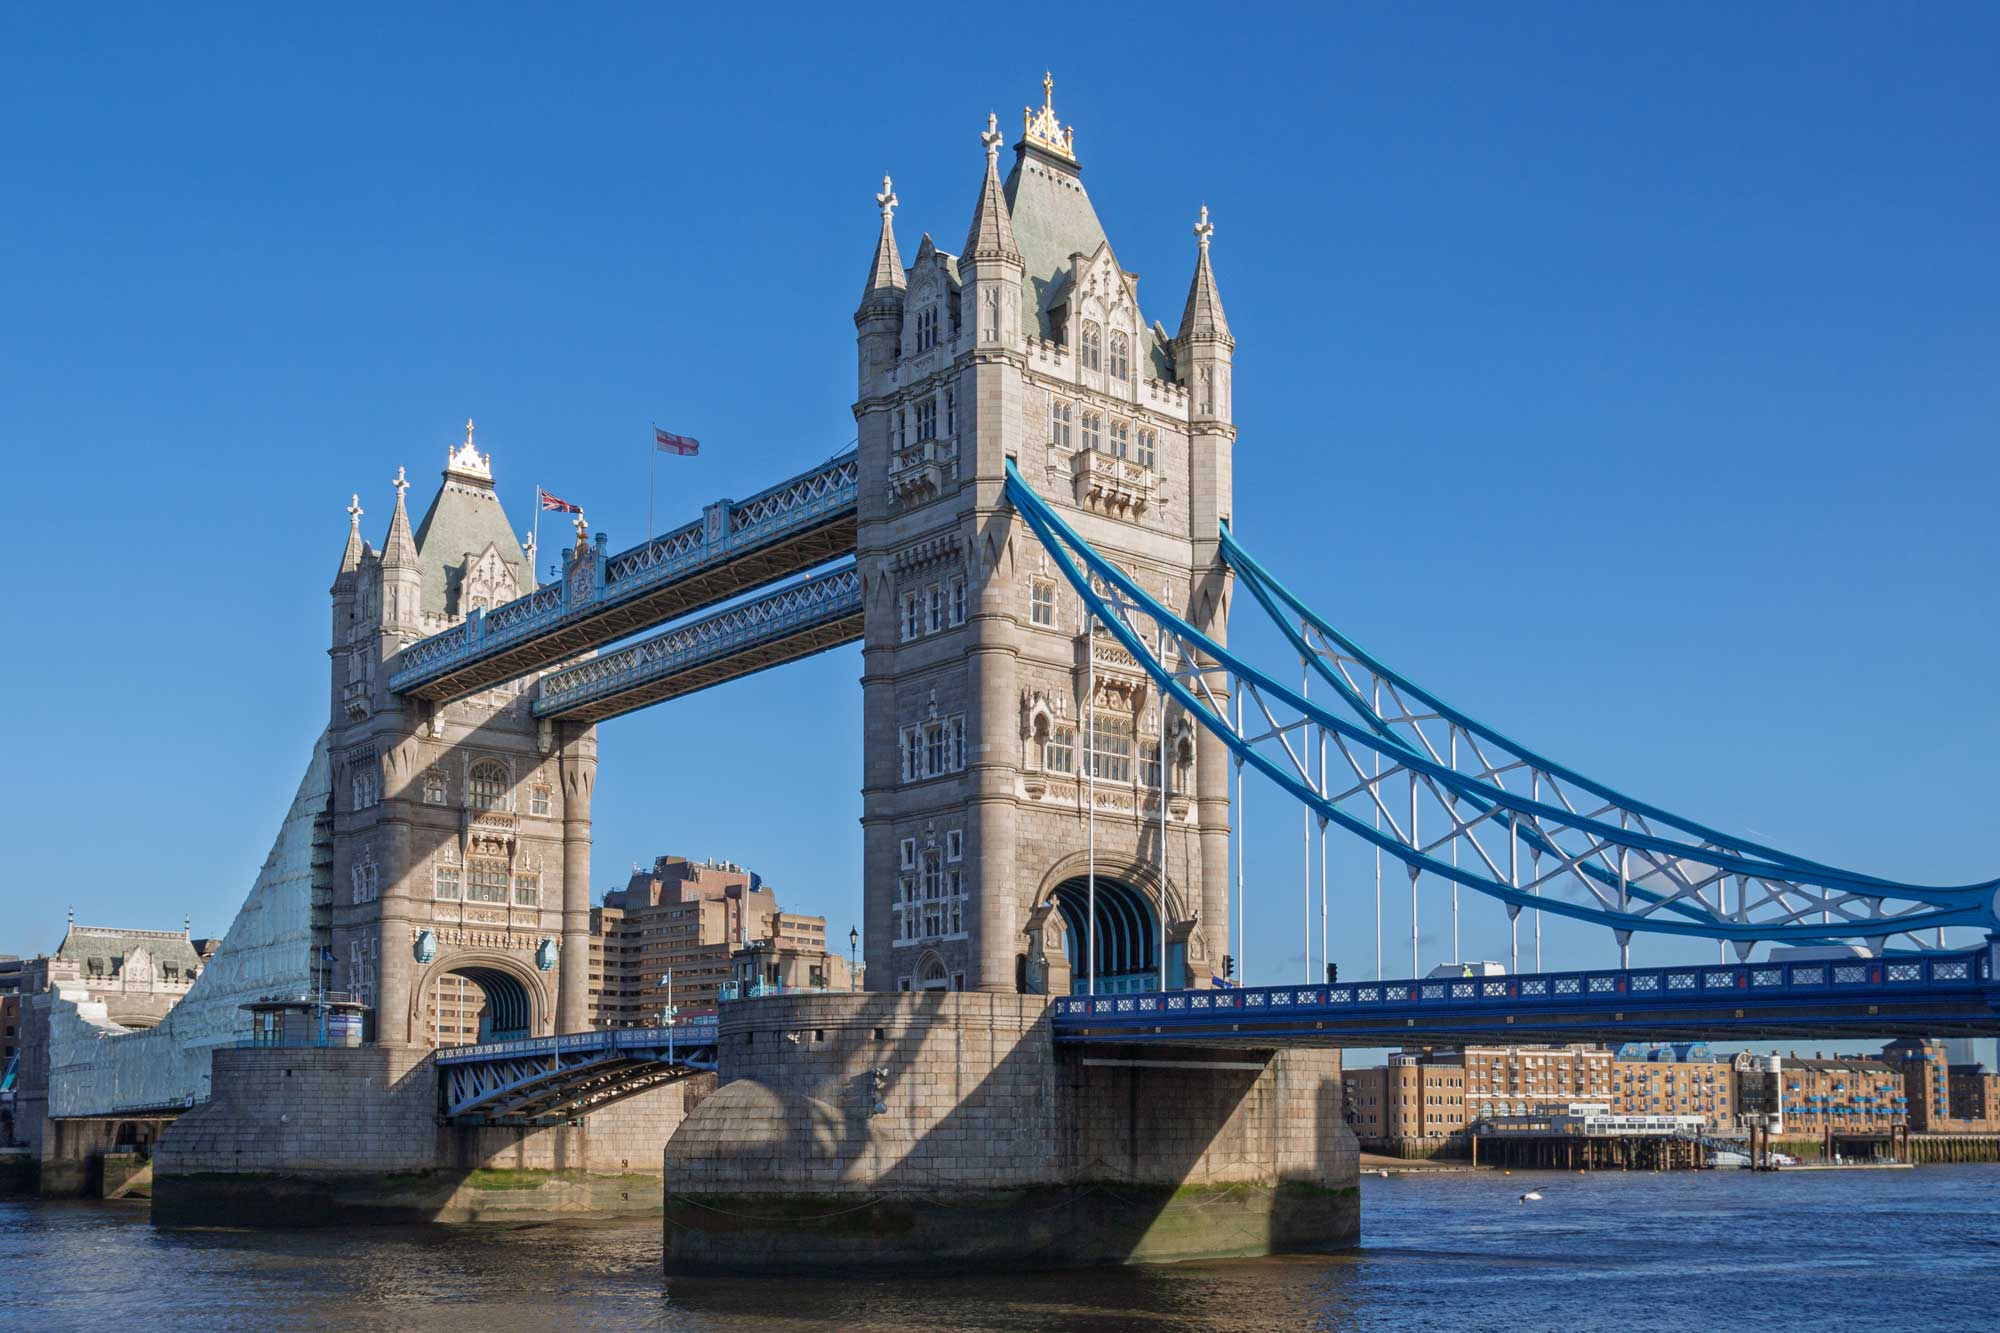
(992, 233)
(885, 275)
(399, 548)
(465, 518)
(1202, 316)
(350, 556)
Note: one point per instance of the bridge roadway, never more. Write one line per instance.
(551, 1080)
(1947, 995)
(736, 547)
(536, 1081)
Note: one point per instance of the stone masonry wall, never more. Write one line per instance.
(885, 1130)
(303, 1136)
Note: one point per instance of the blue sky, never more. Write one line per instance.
(1627, 376)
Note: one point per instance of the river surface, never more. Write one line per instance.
(1693, 1251)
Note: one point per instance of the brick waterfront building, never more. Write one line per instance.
(689, 917)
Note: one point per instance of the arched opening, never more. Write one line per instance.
(1128, 935)
(931, 974)
(475, 1004)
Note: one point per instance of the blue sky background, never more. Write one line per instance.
(1627, 377)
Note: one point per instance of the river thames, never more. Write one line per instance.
(1692, 1251)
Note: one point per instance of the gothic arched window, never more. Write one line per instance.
(487, 785)
(1091, 340)
(1059, 418)
(1121, 359)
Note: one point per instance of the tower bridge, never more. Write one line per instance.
(1034, 541)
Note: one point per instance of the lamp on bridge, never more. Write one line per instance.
(853, 954)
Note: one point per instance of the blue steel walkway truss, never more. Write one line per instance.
(553, 1080)
(794, 622)
(735, 547)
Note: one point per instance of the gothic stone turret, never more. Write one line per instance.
(461, 832)
(1031, 346)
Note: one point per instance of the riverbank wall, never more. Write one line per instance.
(903, 1131)
(328, 1136)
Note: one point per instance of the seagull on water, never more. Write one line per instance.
(1534, 1196)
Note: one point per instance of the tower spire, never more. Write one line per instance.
(885, 275)
(399, 548)
(992, 233)
(350, 557)
(1202, 317)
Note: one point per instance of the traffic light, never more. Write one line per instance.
(1333, 974)
(1228, 966)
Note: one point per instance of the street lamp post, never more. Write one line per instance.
(853, 953)
(667, 1015)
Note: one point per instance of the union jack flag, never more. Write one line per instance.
(669, 443)
(559, 506)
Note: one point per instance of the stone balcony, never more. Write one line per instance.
(1108, 485)
(920, 472)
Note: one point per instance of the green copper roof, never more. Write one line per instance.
(110, 947)
(1053, 219)
(464, 516)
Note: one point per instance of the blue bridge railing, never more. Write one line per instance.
(1635, 993)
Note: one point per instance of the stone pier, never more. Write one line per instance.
(918, 1129)
(322, 1136)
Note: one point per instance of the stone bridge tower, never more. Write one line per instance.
(461, 832)
(980, 677)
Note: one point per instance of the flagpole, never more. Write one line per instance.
(534, 575)
(652, 466)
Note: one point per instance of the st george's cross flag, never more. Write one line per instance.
(550, 502)
(669, 443)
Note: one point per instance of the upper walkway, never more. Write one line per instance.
(787, 625)
(1942, 995)
(735, 547)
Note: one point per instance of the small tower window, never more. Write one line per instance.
(487, 785)
(927, 328)
(539, 800)
(1059, 752)
(913, 616)
(433, 786)
(1121, 438)
(1121, 358)
(444, 883)
(927, 420)
(1059, 418)
(1042, 602)
(1148, 447)
(950, 412)
(527, 890)
(1093, 431)
(1092, 340)
(934, 611)
(958, 600)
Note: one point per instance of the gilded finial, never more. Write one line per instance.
(887, 199)
(1204, 228)
(354, 512)
(582, 534)
(1042, 129)
(467, 461)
